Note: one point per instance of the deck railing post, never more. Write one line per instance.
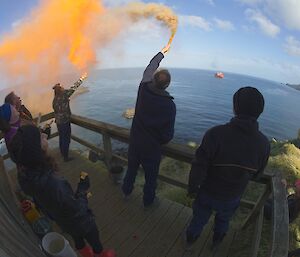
(258, 206)
(107, 149)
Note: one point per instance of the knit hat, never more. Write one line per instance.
(248, 101)
(5, 112)
(25, 147)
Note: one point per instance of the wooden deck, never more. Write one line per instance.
(130, 229)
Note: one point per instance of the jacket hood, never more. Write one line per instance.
(245, 123)
(157, 91)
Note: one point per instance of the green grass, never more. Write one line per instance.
(285, 157)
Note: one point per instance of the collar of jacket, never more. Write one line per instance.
(160, 92)
(245, 123)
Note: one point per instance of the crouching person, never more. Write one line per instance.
(38, 178)
(227, 158)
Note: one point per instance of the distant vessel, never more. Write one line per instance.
(219, 75)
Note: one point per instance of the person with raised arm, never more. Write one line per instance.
(152, 127)
(62, 113)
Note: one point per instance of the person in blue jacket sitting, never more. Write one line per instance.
(38, 178)
(152, 126)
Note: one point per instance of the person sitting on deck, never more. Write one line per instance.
(11, 117)
(152, 126)
(11, 122)
(227, 158)
(16, 101)
(62, 112)
(38, 178)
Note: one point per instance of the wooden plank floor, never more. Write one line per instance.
(130, 229)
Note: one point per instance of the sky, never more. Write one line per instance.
(259, 38)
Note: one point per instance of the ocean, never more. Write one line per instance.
(202, 101)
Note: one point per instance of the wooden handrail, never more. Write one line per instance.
(173, 150)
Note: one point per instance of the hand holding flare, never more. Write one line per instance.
(84, 184)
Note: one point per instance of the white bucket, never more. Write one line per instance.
(57, 246)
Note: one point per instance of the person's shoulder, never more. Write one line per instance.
(217, 129)
(263, 138)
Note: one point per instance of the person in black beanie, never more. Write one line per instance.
(227, 158)
(37, 176)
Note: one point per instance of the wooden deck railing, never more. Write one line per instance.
(273, 185)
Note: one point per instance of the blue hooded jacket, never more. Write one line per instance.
(155, 111)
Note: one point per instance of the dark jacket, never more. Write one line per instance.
(4, 126)
(55, 197)
(155, 111)
(228, 157)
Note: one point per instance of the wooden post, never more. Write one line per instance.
(258, 206)
(257, 233)
(107, 149)
(280, 219)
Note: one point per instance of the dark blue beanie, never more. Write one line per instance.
(5, 112)
(248, 101)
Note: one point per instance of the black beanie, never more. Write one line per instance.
(25, 147)
(248, 101)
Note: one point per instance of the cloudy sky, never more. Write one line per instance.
(254, 37)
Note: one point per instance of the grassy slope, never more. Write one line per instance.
(285, 157)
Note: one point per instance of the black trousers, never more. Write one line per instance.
(64, 132)
(92, 237)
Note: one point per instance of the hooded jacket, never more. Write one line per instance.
(55, 197)
(155, 111)
(228, 157)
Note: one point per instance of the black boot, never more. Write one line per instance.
(217, 239)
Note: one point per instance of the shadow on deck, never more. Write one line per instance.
(130, 229)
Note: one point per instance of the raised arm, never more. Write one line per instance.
(154, 64)
(76, 85)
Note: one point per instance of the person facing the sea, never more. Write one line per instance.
(62, 113)
(152, 126)
(38, 178)
(227, 158)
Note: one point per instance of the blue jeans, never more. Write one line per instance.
(203, 206)
(150, 164)
(64, 132)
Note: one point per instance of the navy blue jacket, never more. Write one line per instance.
(228, 157)
(155, 111)
(55, 197)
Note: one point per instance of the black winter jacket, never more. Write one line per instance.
(155, 111)
(228, 157)
(55, 197)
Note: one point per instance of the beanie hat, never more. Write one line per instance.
(248, 101)
(5, 112)
(25, 147)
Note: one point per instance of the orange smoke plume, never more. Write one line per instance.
(63, 36)
(158, 11)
